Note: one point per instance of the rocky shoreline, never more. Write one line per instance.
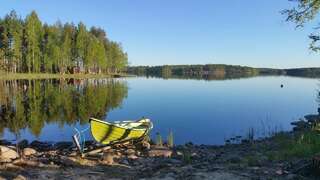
(144, 160)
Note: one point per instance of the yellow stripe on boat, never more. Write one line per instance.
(106, 133)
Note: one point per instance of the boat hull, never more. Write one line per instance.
(109, 133)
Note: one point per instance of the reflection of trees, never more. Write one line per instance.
(206, 72)
(32, 103)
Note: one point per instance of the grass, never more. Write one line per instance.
(302, 145)
(13, 76)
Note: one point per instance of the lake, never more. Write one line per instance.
(200, 111)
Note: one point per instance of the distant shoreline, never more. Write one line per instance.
(218, 71)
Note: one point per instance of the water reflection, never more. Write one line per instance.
(204, 112)
(32, 104)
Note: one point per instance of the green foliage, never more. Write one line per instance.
(30, 46)
(32, 38)
(208, 71)
(304, 12)
(166, 71)
(305, 144)
(304, 72)
(170, 139)
(159, 141)
(216, 71)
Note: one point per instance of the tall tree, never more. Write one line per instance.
(66, 47)
(4, 46)
(33, 35)
(14, 33)
(118, 59)
(81, 44)
(51, 50)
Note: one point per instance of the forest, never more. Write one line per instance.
(31, 46)
(208, 71)
(217, 71)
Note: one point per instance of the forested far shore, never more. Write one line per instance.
(31, 46)
(217, 71)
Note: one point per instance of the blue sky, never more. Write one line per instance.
(156, 32)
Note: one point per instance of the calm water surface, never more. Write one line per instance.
(204, 112)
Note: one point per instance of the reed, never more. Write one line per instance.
(159, 141)
(170, 139)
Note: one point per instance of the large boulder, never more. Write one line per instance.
(7, 154)
(29, 151)
(20, 177)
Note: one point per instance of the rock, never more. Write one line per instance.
(132, 157)
(73, 161)
(218, 175)
(279, 172)
(255, 168)
(234, 159)
(292, 177)
(5, 142)
(63, 145)
(5, 160)
(179, 153)
(194, 155)
(146, 145)
(312, 118)
(20, 177)
(130, 151)
(89, 143)
(107, 158)
(41, 146)
(125, 162)
(138, 153)
(160, 153)
(7, 153)
(173, 161)
(29, 151)
(23, 144)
